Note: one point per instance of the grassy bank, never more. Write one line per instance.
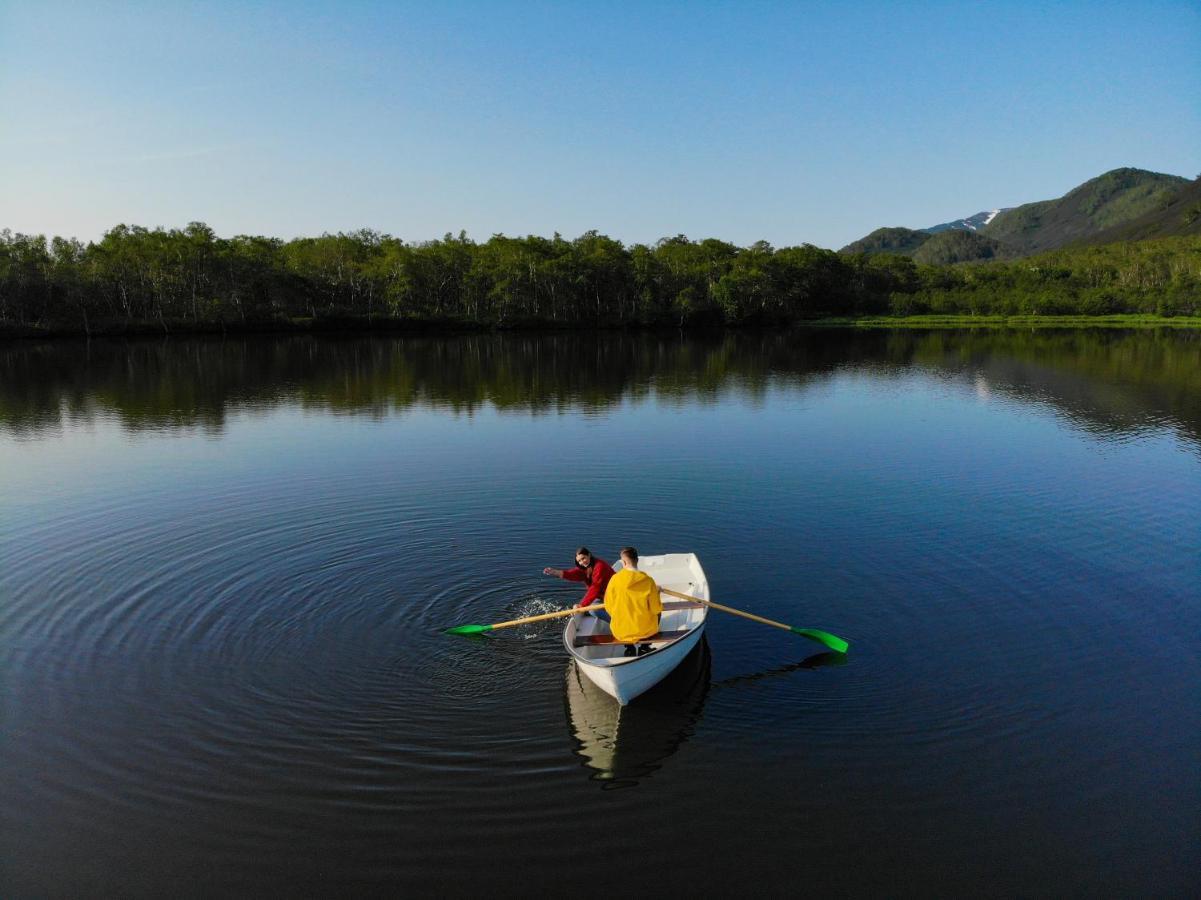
(1114, 321)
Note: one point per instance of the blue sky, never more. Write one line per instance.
(789, 122)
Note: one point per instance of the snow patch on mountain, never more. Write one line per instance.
(971, 223)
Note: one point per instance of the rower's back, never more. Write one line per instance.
(632, 600)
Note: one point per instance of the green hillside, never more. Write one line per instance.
(1106, 201)
(1158, 276)
(1150, 203)
(888, 240)
(1179, 214)
(948, 247)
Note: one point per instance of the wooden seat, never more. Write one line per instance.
(592, 640)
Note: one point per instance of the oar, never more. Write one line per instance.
(833, 641)
(480, 629)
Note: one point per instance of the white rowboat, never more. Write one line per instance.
(603, 661)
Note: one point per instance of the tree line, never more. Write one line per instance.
(168, 278)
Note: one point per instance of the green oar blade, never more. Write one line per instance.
(833, 641)
(468, 629)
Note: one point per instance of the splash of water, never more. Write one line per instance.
(536, 605)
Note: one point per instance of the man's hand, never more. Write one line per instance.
(558, 573)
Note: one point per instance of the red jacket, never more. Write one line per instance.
(601, 573)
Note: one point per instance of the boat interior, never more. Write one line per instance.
(591, 639)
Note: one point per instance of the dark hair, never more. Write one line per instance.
(630, 552)
(584, 551)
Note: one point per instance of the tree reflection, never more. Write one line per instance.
(1104, 381)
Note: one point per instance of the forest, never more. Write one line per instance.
(135, 278)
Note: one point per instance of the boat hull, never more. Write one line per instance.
(625, 682)
(624, 678)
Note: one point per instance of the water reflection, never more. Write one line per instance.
(622, 745)
(225, 656)
(1108, 382)
(817, 661)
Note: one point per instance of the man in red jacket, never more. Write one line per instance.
(591, 570)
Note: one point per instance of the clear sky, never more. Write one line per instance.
(789, 122)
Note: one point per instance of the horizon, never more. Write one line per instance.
(766, 123)
(500, 234)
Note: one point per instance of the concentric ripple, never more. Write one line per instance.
(223, 667)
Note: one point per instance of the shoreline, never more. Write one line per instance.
(350, 325)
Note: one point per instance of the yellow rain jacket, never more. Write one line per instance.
(633, 603)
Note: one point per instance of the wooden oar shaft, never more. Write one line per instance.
(729, 609)
(833, 641)
(574, 611)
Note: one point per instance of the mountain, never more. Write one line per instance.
(957, 245)
(971, 223)
(1101, 206)
(950, 244)
(888, 240)
(1179, 214)
(1103, 202)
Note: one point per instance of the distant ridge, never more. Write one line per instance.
(889, 240)
(1179, 214)
(956, 245)
(1103, 202)
(971, 223)
(1100, 208)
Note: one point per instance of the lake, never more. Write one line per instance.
(225, 565)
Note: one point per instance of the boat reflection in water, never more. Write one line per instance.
(623, 744)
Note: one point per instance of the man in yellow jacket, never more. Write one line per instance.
(632, 601)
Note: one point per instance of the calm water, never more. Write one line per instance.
(224, 566)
